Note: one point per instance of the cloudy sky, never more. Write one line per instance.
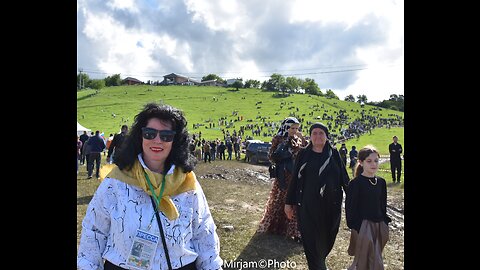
(352, 47)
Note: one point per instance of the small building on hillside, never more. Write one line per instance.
(131, 81)
(210, 83)
(176, 79)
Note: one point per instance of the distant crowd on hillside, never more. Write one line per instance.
(342, 125)
(234, 130)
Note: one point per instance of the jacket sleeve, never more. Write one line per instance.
(95, 228)
(274, 146)
(112, 145)
(344, 178)
(386, 218)
(351, 207)
(291, 198)
(343, 174)
(205, 239)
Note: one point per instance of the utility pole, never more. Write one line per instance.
(81, 79)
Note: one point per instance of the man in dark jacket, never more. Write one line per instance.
(117, 142)
(96, 146)
(83, 138)
(395, 150)
(343, 153)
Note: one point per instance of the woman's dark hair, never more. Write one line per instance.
(132, 146)
(362, 155)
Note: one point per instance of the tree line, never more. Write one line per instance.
(276, 83)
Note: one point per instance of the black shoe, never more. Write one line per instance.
(89, 177)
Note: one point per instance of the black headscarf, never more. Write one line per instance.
(320, 125)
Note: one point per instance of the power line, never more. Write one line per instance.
(339, 69)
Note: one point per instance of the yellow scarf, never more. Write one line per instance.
(175, 183)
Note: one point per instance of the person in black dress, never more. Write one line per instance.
(315, 195)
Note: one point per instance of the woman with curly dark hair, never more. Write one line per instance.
(150, 196)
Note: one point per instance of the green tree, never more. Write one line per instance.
(82, 80)
(277, 82)
(292, 84)
(350, 98)
(237, 84)
(97, 84)
(395, 102)
(362, 98)
(268, 85)
(114, 80)
(311, 87)
(251, 84)
(331, 94)
(213, 77)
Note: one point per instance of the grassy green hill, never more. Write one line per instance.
(107, 109)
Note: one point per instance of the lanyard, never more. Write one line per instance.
(157, 199)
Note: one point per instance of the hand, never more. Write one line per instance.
(289, 211)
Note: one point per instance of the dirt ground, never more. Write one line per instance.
(237, 193)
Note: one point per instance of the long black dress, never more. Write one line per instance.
(319, 200)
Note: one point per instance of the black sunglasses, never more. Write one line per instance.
(151, 133)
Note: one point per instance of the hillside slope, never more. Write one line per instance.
(210, 110)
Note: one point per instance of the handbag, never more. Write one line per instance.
(282, 152)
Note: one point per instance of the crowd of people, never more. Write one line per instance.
(150, 176)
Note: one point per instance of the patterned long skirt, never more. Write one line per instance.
(274, 219)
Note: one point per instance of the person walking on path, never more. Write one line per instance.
(366, 213)
(316, 195)
(343, 153)
(95, 147)
(353, 159)
(83, 138)
(79, 151)
(116, 143)
(395, 149)
(285, 146)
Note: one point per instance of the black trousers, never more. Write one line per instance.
(97, 158)
(396, 167)
(110, 266)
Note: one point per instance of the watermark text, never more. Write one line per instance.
(259, 264)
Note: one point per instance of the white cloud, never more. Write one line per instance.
(384, 74)
(148, 39)
(217, 14)
(123, 4)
